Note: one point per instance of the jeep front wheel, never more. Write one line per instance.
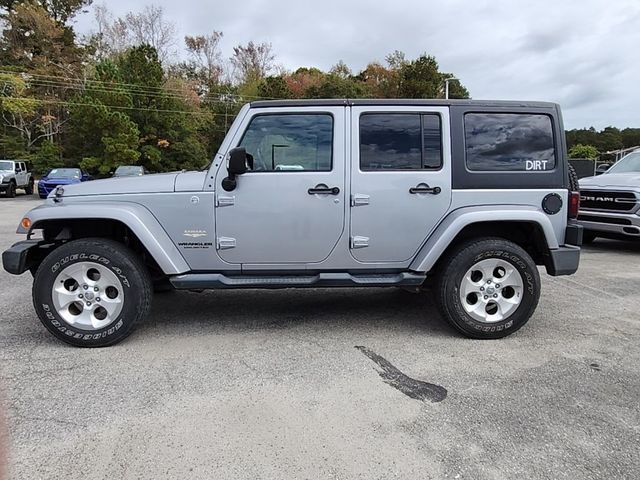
(11, 190)
(488, 288)
(91, 292)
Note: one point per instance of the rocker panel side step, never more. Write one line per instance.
(200, 281)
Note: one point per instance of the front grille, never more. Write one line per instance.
(608, 200)
(613, 221)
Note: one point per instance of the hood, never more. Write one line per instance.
(6, 172)
(163, 182)
(629, 180)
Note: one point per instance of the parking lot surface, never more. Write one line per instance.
(270, 384)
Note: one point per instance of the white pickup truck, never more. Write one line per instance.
(610, 203)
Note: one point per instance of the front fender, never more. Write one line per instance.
(457, 220)
(140, 220)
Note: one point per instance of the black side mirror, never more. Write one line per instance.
(239, 162)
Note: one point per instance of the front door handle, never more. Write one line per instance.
(322, 189)
(424, 188)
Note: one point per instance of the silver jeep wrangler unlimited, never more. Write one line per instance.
(464, 197)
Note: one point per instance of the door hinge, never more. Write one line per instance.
(224, 201)
(224, 243)
(359, 199)
(359, 242)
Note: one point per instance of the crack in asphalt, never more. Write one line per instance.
(412, 388)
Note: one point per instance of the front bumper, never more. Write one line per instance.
(17, 259)
(615, 224)
(45, 189)
(25, 255)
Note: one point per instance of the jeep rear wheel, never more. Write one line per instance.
(91, 292)
(29, 188)
(488, 288)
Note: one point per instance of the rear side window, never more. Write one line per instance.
(400, 141)
(290, 142)
(509, 142)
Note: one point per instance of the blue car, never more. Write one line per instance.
(61, 176)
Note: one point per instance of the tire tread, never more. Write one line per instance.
(447, 273)
(145, 289)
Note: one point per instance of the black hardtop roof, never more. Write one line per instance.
(346, 102)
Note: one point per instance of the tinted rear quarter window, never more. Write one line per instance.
(509, 142)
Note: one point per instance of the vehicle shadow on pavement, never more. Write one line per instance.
(24, 198)
(388, 308)
(607, 245)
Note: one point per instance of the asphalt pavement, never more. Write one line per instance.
(331, 384)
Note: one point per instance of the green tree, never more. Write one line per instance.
(630, 137)
(19, 111)
(583, 151)
(166, 120)
(44, 157)
(59, 10)
(274, 87)
(338, 83)
(584, 136)
(102, 138)
(35, 41)
(610, 139)
(421, 78)
(101, 135)
(336, 86)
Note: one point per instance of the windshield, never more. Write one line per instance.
(128, 170)
(4, 165)
(629, 164)
(64, 173)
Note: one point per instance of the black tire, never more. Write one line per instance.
(574, 184)
(29, 188)
(456, 266)
(11, 190)
(588, 237)
(112, 256)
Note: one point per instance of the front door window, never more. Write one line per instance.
(290, 142)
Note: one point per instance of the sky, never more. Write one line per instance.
(583, 54)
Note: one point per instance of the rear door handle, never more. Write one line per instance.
(322, 189)
(424, 188)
